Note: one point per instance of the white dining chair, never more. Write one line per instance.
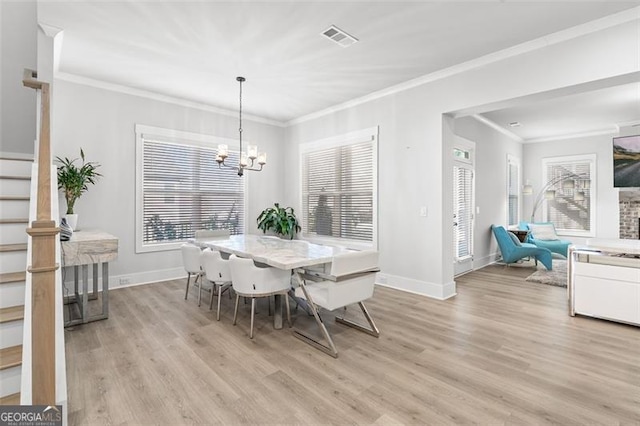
(191, 261)
(249, 280)
(350, 280)
(216, 270)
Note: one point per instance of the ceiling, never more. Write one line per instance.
(592, 112)
(195, 50)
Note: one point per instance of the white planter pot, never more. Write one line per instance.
(72, 220)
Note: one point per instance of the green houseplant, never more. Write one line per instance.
(280, 220)
(74, 181)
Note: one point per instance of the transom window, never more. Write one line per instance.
(181, 189)
(339, 188)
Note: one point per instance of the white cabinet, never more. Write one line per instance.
(605, 284)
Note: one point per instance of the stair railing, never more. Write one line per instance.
(43, 267)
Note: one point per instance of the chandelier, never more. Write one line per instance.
(247, 159)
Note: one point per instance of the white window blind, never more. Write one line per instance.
(462, 211)
(183, 190)
(572, 210)
(339, 190)
(513, 191)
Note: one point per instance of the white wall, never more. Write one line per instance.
(607, 207)
(101, 122)
(415, 142)
(18, 47)
(492, 148)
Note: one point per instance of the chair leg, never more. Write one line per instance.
(329, 348)
(212, 294)
(199, 289)
(287, 307)
(235, 311)
(372, 330)
(187, 292)
(219, 297)
(269, 303)
(253, 312)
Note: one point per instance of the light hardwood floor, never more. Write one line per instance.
(503, 351)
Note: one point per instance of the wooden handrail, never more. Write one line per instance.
(43, 267)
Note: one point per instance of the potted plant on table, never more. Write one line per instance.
(74, 181)
(280, 220)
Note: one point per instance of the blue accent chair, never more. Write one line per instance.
(558, 246)
(513, 250)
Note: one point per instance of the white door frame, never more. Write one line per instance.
(464, 265)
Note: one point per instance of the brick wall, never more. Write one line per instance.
(629, 214)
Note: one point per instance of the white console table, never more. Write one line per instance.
(604, 280)
(90, 247)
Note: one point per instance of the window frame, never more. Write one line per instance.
(351, 138)
(584, 158)
(177, 137)
(512, 160)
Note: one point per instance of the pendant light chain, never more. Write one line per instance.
(240, 79)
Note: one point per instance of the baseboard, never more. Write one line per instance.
(127, 280)
(423, 288)
(409, 285)
(481, 262)
(16, 156)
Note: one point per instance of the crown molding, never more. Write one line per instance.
(614, 129)
(616, 19)
(49, 30)
(596, 132)
(633, 123)
(113, 87)
(497, 127)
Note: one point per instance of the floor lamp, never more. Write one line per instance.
(546, 193)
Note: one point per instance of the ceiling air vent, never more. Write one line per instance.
(338, 36)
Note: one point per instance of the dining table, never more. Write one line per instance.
(293, 255)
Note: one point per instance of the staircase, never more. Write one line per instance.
(15, 182)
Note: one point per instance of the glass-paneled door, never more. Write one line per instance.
(463, 209)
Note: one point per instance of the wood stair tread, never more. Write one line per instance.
(12, 177)
(14, 198)
(13, 247)
(10, 357)
(14, 220)
(12, 277)
(13, 399)
(12, 313)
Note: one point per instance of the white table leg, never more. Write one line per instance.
(277, 315)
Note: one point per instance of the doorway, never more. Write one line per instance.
(463, 205)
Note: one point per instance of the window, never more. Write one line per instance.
(571, 198)
(339, 188)
(462, 212)
(513, 190)
(181, 189)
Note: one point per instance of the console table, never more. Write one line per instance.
(90, 247)
(604, 280)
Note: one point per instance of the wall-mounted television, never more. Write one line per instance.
(626, 162)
